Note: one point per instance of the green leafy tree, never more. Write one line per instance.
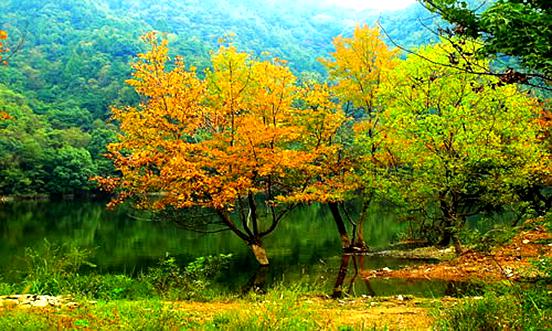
(70, 170)
(23, 146)
(460, 144)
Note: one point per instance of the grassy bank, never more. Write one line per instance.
(291, 309)
(277, 310)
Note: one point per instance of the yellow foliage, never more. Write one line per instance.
(208, 142)
(359, 65)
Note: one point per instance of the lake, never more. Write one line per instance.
(304, 249)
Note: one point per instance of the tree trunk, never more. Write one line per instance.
(450, 235)
(446, 237)
(260, 253)
(343, 235)
(257, 283)
(360, 244)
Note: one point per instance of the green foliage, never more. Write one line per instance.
(72, 169)
(505, 306)
(56, 270)
(459, 144)
(47, 269)
(507, 27)
(5, 289)
(544, 266)
(38, 158)
(484, 241)
(492, 312)
(107, 287)
(75, 60)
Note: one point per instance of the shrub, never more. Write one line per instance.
(171, 281)
(55, 270)
(109, 287)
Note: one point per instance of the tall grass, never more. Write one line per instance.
(65, 269)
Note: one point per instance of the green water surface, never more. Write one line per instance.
(304, 249)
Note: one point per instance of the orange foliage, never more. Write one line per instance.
(3, 47)
(209, 142)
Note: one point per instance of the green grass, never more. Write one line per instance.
(502, 307)
(114, 315)
(279, 310)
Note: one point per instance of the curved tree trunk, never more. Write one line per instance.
(254, 243)
(260, 253)
(359, 242)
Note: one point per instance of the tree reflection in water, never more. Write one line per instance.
(343, 287)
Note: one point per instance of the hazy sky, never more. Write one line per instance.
(373, 4)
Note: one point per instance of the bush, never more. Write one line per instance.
(5, 289)
(171, 281)
(109, 287)
(491, 312)
(484, 242)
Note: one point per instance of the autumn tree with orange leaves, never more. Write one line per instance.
(233, 142)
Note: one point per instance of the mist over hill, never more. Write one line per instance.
(80, 49)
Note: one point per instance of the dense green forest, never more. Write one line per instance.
(74, 59)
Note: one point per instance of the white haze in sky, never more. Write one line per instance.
(372, 4)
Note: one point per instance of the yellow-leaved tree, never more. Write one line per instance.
(357, 69)
(3, 47)
(233, 142)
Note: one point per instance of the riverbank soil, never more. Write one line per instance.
(513, 261)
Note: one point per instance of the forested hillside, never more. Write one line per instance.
(75, 57)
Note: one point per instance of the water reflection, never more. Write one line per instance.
(352, 280)
(358, 266)
(120, 242)
(305, 249)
